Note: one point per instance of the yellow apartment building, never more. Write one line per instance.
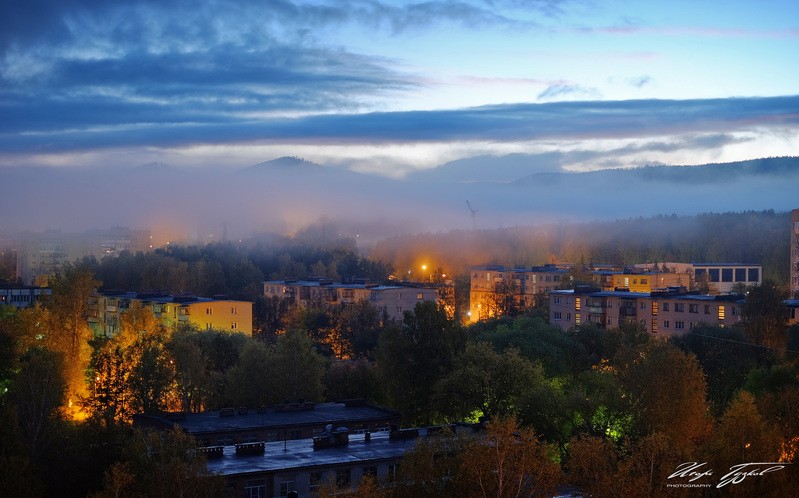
(170, 311)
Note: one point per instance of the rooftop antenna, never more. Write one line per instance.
(474, 216)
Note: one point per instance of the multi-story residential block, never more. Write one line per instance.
(523, 284)
(669, 312)
(639, 280)
(170, 311)
(794, 274)
(720, 278)
(40, 255)
(20, 296)
(392, 300)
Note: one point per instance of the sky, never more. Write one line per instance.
(391, 87)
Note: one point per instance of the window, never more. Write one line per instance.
(721, 313)
(295, 434)
(754, 275)
(693, 308)
(255, 489)
(315, 482)
(714, 274)
(643, 305)
(740, 274)
(707, 309)
(287, 486)
(577, 303)
(392, 471)
(556, 299)
(679, 325)
(557, 315)
(726, 274)
(343, 478)
(233, 310)
(699, 273)
(644, 281)
(568, 316)
(234, 325)
(665, 324)
(679, 307)
(209, 311)
(665, 306)
(419, 296)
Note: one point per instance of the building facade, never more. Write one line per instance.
(663, 313)
(794, 274)
(204, 313)
(392, 300)
(719, 278)
(21, 296)
(639, 280)
(489, 284)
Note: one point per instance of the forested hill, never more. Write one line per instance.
(767, 168)
(733, 237)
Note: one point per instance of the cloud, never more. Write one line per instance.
(565, 90)
(640, 81)
(162, 126)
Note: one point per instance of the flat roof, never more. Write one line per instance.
(321, 414)
(296, 454)
(162, 298)
(314, 283)
(726, 264)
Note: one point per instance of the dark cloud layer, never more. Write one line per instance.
(518, 122)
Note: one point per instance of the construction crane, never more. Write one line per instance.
(474, 216)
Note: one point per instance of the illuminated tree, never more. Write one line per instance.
(509, 461)
(358, 327)
(69, 331)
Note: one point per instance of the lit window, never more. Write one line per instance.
(419, 295)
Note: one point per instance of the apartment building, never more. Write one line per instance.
(720, 278)
(639, 280)
(107, 308)
(794, 274)
(392, 300)
(668, 312)
(525, 284)
(41, 254)
(22, 296)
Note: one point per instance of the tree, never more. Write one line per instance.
(151, 376)
(69, 331)
(413, 358)
(358, 327)
(38, 391)
(667, 392)
(296, 369)
(765, 316)
(486, 382)
(161, 464)
(108, 400)
(726, 358)
(510, 461)
(249, 379)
